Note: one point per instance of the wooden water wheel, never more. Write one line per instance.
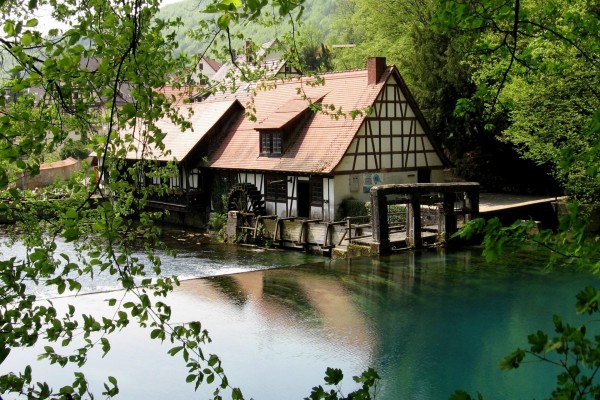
(246, 198)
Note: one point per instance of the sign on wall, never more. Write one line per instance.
(370, 180)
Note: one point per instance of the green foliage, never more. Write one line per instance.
(218, 223)
(535, 66)
(75, 149)
(572, 351)
(314, 56)
(333, 377)
(218, 219)
(572, 244)
(189, 12)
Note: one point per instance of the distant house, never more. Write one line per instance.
(208, 67)
(73, 94)
(309, 145)
(264, 62)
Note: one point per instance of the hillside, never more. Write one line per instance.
(318, 15)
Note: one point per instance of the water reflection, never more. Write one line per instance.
(430, 322)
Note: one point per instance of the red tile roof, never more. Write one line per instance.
(177, 96)
(286, 114)
(214, 65)
(321, 143)
(178, 145)
(59, 164)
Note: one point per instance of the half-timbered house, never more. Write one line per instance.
(311, 144)
(301, 146)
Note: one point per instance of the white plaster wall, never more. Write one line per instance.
(342, 185)
(438, 176)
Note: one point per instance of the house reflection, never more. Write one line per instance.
(316, 298)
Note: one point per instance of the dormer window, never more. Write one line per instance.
(271, 143)
(278, 130)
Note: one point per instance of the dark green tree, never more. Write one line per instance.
(538, 62)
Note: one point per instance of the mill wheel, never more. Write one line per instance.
(245, 197)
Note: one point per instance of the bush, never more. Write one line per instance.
(350, 207)
(75, 149)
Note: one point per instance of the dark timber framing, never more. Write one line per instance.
(394, 136)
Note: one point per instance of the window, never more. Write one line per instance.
(316, 190)
(175, 181)
(277, 144)
(276, 188)
(265, 143)
(271, 143)
(194, 178)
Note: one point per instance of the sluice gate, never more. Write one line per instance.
(402, 216)
(451, 200)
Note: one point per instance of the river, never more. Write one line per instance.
(429, 322)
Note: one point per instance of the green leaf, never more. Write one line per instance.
(155, 333)
(333, 376)
(538, 341)
(223, 21)
(4, 352)
(513, 360)
(72, 213)
(27, 39)
(9, 28)
(175, 350)
(71, 234)
(105, 347)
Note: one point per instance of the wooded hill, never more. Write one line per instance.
(317, 16)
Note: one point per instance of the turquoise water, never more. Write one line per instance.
(445, 324)
(429, 322)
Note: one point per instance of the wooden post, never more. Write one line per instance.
(234, 221)
(447, 217)
(349, 228)
(413, 221)
(471, 205)
(379, 217)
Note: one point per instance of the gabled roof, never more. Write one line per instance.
(286, 114)
(213, 64)
(321, 143)
(178, 145)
